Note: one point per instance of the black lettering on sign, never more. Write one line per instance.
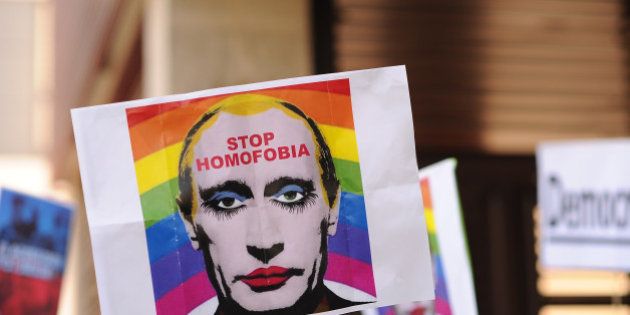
(587, 209)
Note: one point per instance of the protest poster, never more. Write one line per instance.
(454, 286)
(33, 247)
(584, 202)
(294, 196)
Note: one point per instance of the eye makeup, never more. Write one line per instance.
(291, 194)
(226, 199)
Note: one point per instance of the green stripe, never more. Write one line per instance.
(159, 202)
(433, 244)
(349, 175)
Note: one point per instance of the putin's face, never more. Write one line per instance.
(262, 214)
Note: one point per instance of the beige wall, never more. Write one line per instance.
(93, 42)
(225, 42)
(17, 35)
(187, 45)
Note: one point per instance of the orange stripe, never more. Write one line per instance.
(313, 103)
(426, 194)
(171, 127)
(139, 114)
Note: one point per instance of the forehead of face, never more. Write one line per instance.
(229, 133)
(240, 105)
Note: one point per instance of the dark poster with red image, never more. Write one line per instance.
(33, 247)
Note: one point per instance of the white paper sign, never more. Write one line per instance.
(584, 200)
(454, 286)
(292, 196)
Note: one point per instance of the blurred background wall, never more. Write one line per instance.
(488, 79)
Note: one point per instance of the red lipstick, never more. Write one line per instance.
(268, 279)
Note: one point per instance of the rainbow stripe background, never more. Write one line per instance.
(442, 306)
(180, 283)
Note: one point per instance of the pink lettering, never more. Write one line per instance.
(257, 154)
(231, 160)
(303, 150)
(254, 156)
(268, 136)
(249, 158)
(203, 164)
(242, 138)
(255, 140)
(216, 161)
(283, 152)
(232, 144)
(270, 154)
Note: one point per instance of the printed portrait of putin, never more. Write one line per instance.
(259, 198)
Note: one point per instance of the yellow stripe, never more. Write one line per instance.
(428, 216)
(161, 166)
(342, 142)
(158, 167)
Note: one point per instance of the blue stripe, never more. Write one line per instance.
(386, 310)
(165, 237)
(352, 242)
(169, 234)
(174, 269)
(440, 284)
(352, 210)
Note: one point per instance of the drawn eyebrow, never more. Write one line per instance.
(275, 185)
(236, 186)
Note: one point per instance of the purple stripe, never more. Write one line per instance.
(440, 278)
(387, 310)
(351, 241)
(170, 271)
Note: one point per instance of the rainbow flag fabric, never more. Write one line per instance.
(180, 283)
(442, 306)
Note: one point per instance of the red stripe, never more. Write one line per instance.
(135, 117)
(187, 296)
(442, 307)
(142, 113)
(351, 272)
(333, 86)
